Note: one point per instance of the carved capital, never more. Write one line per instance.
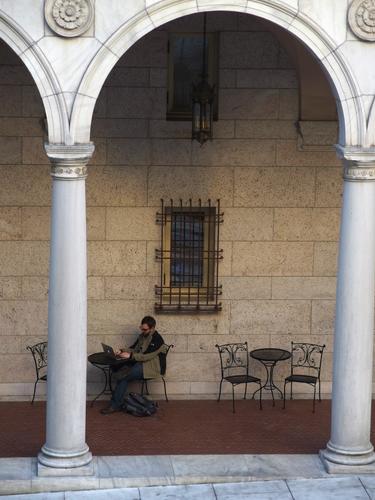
(69, 18)
(359, 163)
(69, 162)
(361, 18)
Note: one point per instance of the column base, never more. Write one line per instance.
(52, 463)
(340, 461)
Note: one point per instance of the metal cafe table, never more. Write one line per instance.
(269, 357)
(105, 363)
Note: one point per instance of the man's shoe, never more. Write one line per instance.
(109, 410)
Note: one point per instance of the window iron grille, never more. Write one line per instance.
(189, 257)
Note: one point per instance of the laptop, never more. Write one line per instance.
(109, 350)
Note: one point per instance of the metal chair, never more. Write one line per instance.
(306, 363)
(39, 352)
(234, 362)
(163, 367)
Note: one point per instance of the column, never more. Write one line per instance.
(65, 450)
(349, 448)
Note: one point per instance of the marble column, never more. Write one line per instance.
(349, 448)
(65, 450)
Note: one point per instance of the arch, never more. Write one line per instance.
(45, 79)
(352, 121)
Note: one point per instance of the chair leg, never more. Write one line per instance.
(32, 401)
(165, 390)
(260, 396)
(233, 399)
(221, 382)
(244, 396)
(320, 397)
(284, 394)
(291, 390)
(314, 398)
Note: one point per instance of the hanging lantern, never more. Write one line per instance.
(202, 101)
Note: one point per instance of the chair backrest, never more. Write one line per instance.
(306, 358)
(163, 358)
(39, 352)
(234, 359)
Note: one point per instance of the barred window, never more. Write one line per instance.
(189, 258)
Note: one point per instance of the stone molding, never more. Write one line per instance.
(359, 163)
(69, 18)
(69, 162)
(361, 18)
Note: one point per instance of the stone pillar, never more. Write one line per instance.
(65, 450)
(349, 448)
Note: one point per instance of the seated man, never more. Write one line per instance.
(146, 359)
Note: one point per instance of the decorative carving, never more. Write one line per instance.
(359, 163)
(69, 162)
(69, 18)
(361, 18)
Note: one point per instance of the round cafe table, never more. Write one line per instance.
(105, 363)
(269, 357)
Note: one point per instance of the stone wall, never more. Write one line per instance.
(281, 206)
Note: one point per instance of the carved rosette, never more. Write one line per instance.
(361, 18)
(69, 18)
(69, 162)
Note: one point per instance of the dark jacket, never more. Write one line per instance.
(150, 350)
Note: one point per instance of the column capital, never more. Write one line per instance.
(69, 162)
(359, 163)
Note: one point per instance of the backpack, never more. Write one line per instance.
(139, 405)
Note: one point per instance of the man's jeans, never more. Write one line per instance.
(136, 373)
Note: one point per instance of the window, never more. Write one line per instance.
(189, 257)
(185, 53)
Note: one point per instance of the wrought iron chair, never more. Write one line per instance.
(163, 366)
(234, 362)
(39, 352)
(306, 363)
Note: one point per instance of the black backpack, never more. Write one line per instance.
(139, 405)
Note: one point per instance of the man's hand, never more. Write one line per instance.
(123, 354)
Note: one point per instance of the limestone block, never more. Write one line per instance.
(149, 51)
(153, 266)
(129, 152)
(325, 258)
(96, 229)
(127, 102)
(288, 155)
(186, 183)
(323, 316)
(245, 288)
(271, 317)
(158, 77)
(307, 224)
(35, 287)
(121, 76)
(32, 190)
(249, 23)
(227, 78)
(11, 100)
(23, 317)
(116, 186)
(247, 224)
(119, 127)
(272, 259)
(36, 223)
(10, 287)
(10, 150)
(283, 341)
(195, 367)
(303, 288)
(217, 324)
(130, 288)
(116, 258)
(10, 223)
(18, 367)
(10, 345)
(329, 186)
(207, 343)
(131, 223)
(265, 129)
(235, 152)
(95, 287)
(225, 264)
(248, 49)
(223, 129)
(288, 104)
(114, 317)
(207, 388)
(268, 187)
(170, 129)
(20, 127)
(171, 151)
(24, 258)
(267, 78)
(32, 104)
(245, 104)
(33, 151)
